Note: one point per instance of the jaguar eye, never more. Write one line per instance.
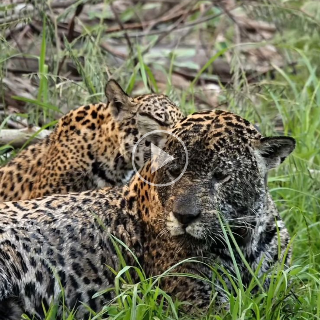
(174, 172)
(220, 176)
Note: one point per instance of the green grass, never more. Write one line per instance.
(290, 97)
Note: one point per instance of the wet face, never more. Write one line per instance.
(228, 184)
(225, 178)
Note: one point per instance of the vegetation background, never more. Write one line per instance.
(259, 59)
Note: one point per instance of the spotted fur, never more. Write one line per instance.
(90, 148)
(70, 234)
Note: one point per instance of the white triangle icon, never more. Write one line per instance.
(159, 158)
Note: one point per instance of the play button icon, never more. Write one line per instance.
(159, 157)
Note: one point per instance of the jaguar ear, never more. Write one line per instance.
(274, 150)
(119, 102)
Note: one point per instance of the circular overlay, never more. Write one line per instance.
(159, 158)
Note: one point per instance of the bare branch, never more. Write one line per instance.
(17, 138)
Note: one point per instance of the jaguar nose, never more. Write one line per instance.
(186, 217)
(185, 209)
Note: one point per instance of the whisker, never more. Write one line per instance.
(179, 247)
(162, 232)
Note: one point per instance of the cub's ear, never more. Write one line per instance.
(275, 149)
(120, 103)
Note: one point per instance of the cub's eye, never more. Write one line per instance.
(220, 176)
(174, 171)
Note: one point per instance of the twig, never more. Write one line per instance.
(257, 74)
(157, 1)
(135, 60)
(20, 49)
(37, 25)
(187, 25)
(64, 4)
(123, 56)
(110, 49)
(169, 30)
(145, 24)
(176, 9)
(15, 124)
(70, 34)
(175, 27)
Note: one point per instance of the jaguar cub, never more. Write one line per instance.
(65, 240)
(90, 148)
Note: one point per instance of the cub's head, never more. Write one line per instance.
(228, 162)
(136, 116)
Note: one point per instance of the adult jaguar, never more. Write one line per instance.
(65, 239)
